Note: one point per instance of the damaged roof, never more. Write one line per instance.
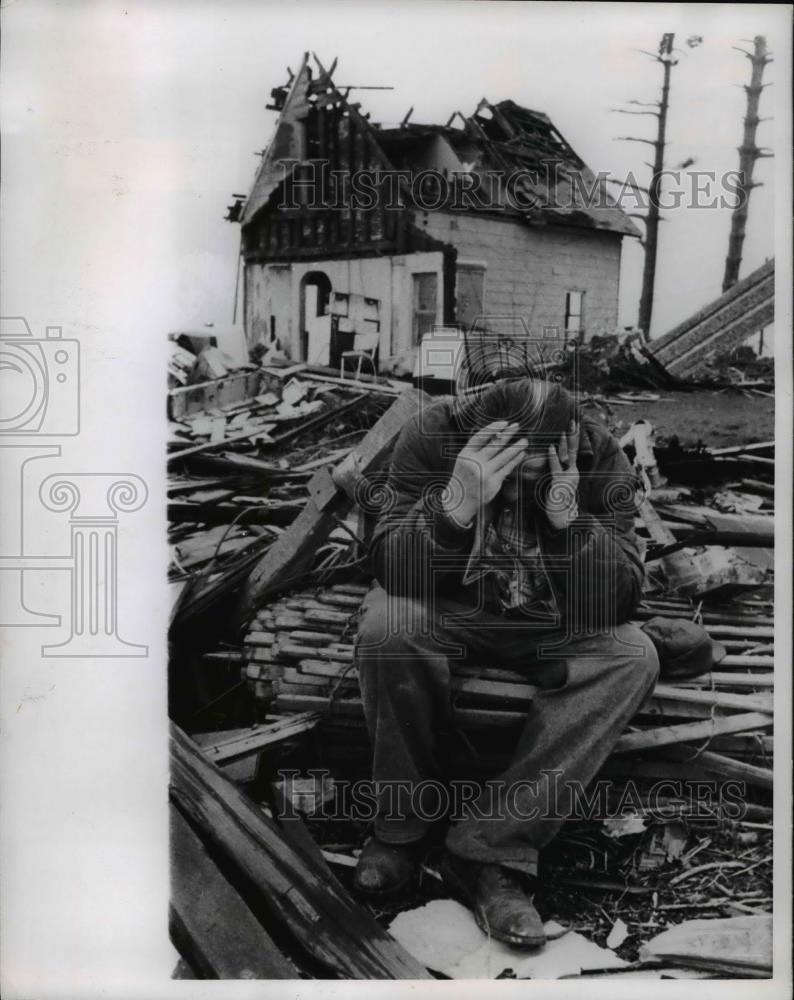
(553, 184)
(550, 183)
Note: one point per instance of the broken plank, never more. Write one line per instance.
(378, 442)
(735, 947)
(759, 528)
(759, 660)
(288, 557)
(657, 711)
(744, 745)
(289, 819)
(716, 699)
(210, 924)
(215, 393)
(682, 572)
(283, 882)
(325, 668)
(737, 449)
(311, 422)
(722, 766)
(719, 679)
(254, 740)
(653, 766)
(482, 687)
(292, 553)
(744, 631)
(708, 516)
(185, 512)
(648, 739)
(474, 717)
(290, 651)
(197, 449)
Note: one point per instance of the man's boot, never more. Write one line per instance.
(500, 899)
(386, 869)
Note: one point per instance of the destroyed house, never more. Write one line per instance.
(358, 237)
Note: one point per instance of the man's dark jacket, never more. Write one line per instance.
(595, 566)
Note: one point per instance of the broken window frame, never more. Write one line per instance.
(420, 317)
(574, 332)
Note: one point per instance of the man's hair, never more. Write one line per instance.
(543, 410)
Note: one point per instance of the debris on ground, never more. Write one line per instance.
(734, 945)
(444, 937)
(268, 538)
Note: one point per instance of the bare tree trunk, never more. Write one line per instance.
(653, 217)
(748, 154)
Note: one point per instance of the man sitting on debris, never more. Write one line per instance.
(508, 542)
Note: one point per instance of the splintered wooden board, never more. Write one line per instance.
(291, 553)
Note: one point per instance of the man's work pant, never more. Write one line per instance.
(591, 686)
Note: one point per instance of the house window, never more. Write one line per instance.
(372, 314)
(425, 299)
(574, 316)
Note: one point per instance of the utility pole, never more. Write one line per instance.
(665, 57)
(653, 216)
(749, 152)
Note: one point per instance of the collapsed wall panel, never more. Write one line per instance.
(720, 326)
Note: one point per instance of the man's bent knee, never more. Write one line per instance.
(390, 625)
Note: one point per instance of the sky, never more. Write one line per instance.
(127, 128)
(125, 131)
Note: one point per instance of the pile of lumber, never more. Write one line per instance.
(242, 467)
(268, 420)
(270, 520)
(298, 657)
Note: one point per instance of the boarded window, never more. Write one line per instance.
(574, 316)
(425, 299)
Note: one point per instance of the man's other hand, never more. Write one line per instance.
(561, 507)
(480, 469)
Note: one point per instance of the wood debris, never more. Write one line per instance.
(265, 533)
(738, 945)
(281, 882)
